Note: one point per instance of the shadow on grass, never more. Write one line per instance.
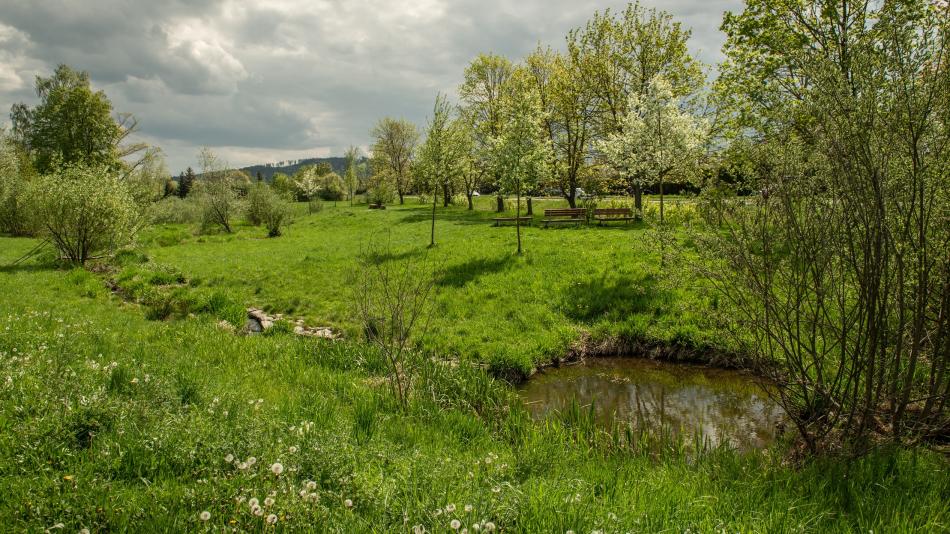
(378, 257)
(611, 298)
(457, 216)
(29, 267)
(463, 273)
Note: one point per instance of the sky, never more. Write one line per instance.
(276, 80)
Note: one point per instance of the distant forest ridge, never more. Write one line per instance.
(268, 170)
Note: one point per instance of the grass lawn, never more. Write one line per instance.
(494, 306)
(110, 421)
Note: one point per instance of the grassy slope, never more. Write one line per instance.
(140, 443)
(494, 306)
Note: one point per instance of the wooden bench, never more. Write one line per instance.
(602, 215)
(565, 215)
(523, 219)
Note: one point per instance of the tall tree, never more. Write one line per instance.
(520, 152)
(472, 167)
(619, 55)
(482, 93)
(74, 124)
(568, 106)
(185, 182)
(657, 138)
(441, 156)
(350, 178)
(393, 151)
(218, 194)
(839, 272)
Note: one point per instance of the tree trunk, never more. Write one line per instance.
(432, 239)
(661, 199)
(638, 198)
(530, 211)
(446, 197)
(501, 204)
(471, 206)
(518, 220)
(571, 198)
(401, 199)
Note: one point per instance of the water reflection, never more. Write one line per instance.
(722, 406)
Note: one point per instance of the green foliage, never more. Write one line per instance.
(284, 185)
(16, 216)
(71, 124)
(217, 193)
(175, 210)
(394, 148)
(86, 211)
(185, 183)
(331, 187)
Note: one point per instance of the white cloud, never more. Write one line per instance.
(283, 79)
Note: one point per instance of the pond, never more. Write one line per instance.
(722, 406)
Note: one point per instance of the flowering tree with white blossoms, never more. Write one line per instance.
(658, 138)
(520, 153)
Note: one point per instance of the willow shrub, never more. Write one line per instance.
(86, 212)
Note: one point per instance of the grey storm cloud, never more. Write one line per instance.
(283, 79)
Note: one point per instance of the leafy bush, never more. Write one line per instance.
(15, 213)
(175, 210)
(86, 211)
(258, 199)
(218, 200)
(380, 192)
(267, 207)
(332, 188)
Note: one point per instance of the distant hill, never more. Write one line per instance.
(268, 170)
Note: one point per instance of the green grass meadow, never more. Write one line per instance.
(136, 410)
(493, 306)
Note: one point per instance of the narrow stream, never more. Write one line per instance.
(723, 406)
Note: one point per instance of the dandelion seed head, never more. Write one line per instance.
(348, 503)
(455, 524)
(229, 458)
(204, 516)
(271, 519)
(277, 468)
(269, 501)
(450, 508)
